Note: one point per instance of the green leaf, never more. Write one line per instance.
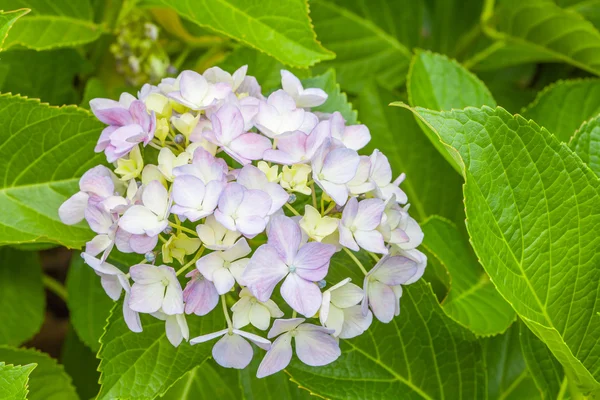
(211, 381)
(507, 372)
(88, 303)
(337, 100)
(14, 380)
(473, 301)
(438, 83)
(563, 106)
(543, 366)
(280, 28)
(43, 152)
(82, 365)
(52, 24)
(47, 75)
(511, 86)
(398, 135)
(364, 51)
(128, 360)
(22, 299)
(422, 353)
(48, 381)
(7, 19)
(543, 31)
(586, 143)
(534, 223)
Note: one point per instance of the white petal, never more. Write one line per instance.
(260, 316)
(277, 358)
(316, 348)
(232, 351)
(72, 210)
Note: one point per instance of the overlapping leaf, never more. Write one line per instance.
(473, 301)
(81, 364)
(48, 381)
(22, 299)
(33, 138)
(563, 106)
(281, 29)
(13, 381)
(586, 143)
(52, 24)
(7, 19)
(534, 222)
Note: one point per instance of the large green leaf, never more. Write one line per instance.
(43, 151)
(545, 370)
(47, 75)
(280, 28)
(211, 381)
(396, 133)
(22, 299)
(81, 364)
(52, 24)
(336, 100)
(473, 301)
(14, 380)
(7, 19)
(364, 51)
(128, 360)
(507, 372)
(586, 143)
(88, 303)
(48, 381)
(438, 83)
(539, 30)
(534, 222)
(563, 106)
(420, 354)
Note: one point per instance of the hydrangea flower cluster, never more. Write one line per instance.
(246, 193)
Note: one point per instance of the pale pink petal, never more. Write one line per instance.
(111, 285)
(208, 336)
(250, 145)
(264, 271)
(188, 191)
(371, 241)
(250, 226)
(98, 220)
(210, 263)
(230, 121)
(317, 348)
(239, 250)
(382, 301)
(254, 203)
(98, 244)
(146, 298)
(337, 192)
(142, 244)
(340, 165)
(303, 296)
(285, 236)
(72, 210)
(252, 178)
(290, 83)
(232, 351)
(200, 295)
(223, 280)
(155, 198)
(355, 323)
(173, 300)
(312, 260)
(312, 97)
(231, 198)
(132, 318)
(347, 239)
(277, 358)
(394, 270)
(138, 220)
(258, 340)
(369, 214)
(194, 86)
(278, 196)
(110, 112)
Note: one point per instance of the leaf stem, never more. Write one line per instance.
(292, 209)
(183, 228)
(356, 260)
(55, 287)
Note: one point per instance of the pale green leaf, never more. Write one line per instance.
(43, 152)
(280, 28)
(52, 24)
(88, 303)
(545, 370)
(364, 51)
(586, 143)
(48, 381)
(421, 354)
(507, 372)
(22, 299)
(129, 360)
(7, 19)
(82, 365)
(542, 30)
(47, 75)
(14, 380)
(534, 222)
(336, 100)
(473, 301)
(396, 133)
(438, 83)
(563, 106)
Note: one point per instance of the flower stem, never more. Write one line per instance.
(292, 209)
(356, 260)
(374, 256)
(227, 318)
(314, 195)
(183, 228)
(192, 262)
(329, 208)
(55, 287)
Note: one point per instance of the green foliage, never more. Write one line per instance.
(88, 303)
(336, 100)
(35, 136)
(7, 19)
(52, 24)
(545, 265)
(473, 300)
(48, 381)
(14, 380)
(290, 40)
(22, 299)
(586, 143)
(82, 365)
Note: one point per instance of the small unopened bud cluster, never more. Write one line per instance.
(234, 194)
